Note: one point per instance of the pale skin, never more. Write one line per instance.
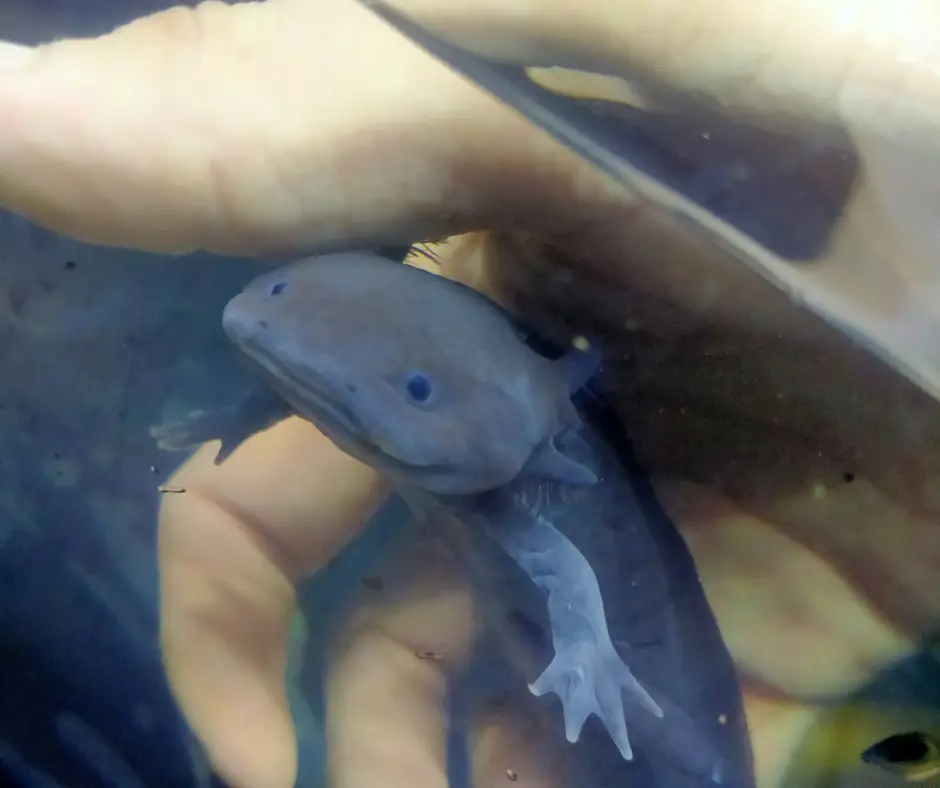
(784, 454)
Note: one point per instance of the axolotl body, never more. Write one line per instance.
(442, 390)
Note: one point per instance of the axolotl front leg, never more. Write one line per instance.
(586, 673)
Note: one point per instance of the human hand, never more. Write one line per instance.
(263, 136)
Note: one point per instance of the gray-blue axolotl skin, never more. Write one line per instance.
(440, 389)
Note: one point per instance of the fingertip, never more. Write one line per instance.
(114, 140)
(241, 719)
(225, 615)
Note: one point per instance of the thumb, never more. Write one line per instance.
(258, 127)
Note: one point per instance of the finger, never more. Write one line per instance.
(513, 747)
(230, 548)
(867, 63)
(387, 677)
(262, 127)
(785, 454)
(806, 629)
(387, 682)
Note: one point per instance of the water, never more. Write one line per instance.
(96, 345)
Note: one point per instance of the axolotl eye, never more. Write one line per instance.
(277, 288)
(418, 387)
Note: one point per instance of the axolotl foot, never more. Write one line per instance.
(589, 677)
(586, 673)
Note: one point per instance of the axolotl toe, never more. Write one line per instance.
(438, 388)
(587, 674)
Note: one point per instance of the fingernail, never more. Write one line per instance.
(13, 55)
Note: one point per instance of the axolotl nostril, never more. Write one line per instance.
(437, 387)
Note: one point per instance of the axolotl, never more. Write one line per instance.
(454, 400)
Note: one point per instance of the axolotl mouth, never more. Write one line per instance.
(313, 399)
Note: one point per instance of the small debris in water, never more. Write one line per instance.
(848, 477)
(722, 719)
(171, 488)
(375, 583)
(154, 469)
(581, 343)
(511, 775)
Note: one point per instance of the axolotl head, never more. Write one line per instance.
(422, 378)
